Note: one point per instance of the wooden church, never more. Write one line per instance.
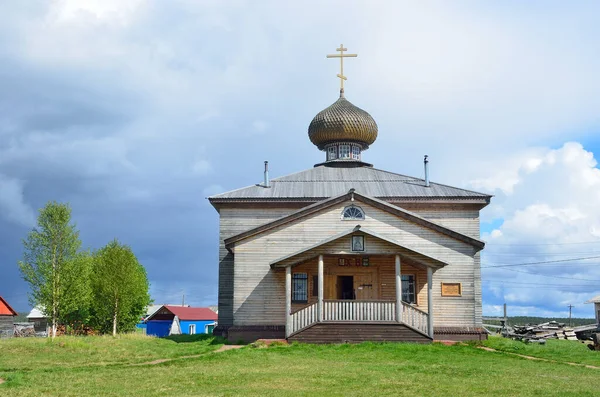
(345, 252)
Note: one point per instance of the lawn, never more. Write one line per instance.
(100, 366)
(554, 349)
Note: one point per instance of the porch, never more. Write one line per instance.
(352, 303)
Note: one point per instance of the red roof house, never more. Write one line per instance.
(5, 309)
(171, 319)
(6, 318)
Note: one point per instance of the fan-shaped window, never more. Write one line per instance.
(353, 213)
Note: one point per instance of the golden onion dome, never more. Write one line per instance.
(342, 121)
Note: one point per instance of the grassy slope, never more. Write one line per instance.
(73, 351)
(382, 369)
(554, 349)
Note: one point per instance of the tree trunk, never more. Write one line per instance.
(53, 322)
(115, 317)
(54, 293)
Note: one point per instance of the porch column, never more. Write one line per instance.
(430, 301)
(320, 281)
(398, 291)
(288, 300)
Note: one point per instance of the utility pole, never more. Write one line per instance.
(183, 300)
(570, 307)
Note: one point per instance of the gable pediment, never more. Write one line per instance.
(386, 212)
(341, 244)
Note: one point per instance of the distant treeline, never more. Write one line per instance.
(21, 317)
(524, 320)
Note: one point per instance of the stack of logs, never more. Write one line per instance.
(23, 330)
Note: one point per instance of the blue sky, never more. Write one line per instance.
(136, 111)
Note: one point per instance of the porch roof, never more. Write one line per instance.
(313, 251)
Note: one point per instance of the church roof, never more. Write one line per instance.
(322, 182)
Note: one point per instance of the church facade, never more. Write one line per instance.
(347, 252)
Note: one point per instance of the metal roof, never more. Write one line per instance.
(323, 182)
(5, 309)
(188, 313)
(37, 312)
(595, 299)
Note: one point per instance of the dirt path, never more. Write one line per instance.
(489, 349)
(228, 347)
(1, 381)
(164, 360)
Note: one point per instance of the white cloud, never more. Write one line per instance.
(546, 215)
(12, 202)
(201, 167)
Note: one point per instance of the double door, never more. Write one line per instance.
(348, 286)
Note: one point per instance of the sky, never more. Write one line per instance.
(135, 111)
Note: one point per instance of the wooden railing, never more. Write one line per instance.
(303, 318)
(347, 310)
(414, 317)
(360, 311)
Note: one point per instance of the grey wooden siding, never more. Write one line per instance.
(258, 291)
(232, 222)
(6, 326)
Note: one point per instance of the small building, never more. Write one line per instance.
(596, 302)
(170, 320)
(39, 319)
(7, 316)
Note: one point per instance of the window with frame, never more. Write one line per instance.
(408, 289)
(315, 285)
(331, 153)
(344, 151)
(355, 152)
(353, 212)
(192, 329)
(299, 288)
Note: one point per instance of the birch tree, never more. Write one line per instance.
(120, 289)
(56, 271)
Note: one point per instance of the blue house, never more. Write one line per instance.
(173, 320)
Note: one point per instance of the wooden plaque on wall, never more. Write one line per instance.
(451, 289)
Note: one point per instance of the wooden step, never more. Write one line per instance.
(345, 332)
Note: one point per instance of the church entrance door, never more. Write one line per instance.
(345, 287)
(363, 285)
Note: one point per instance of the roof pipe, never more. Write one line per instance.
(267, 182)
(426, 164)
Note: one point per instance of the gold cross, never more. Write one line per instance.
(341, 55)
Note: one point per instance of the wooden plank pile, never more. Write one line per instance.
(539, 332)
(23, 330)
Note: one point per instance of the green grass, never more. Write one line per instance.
(349, 370)
(554, 349)
(79, 351)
